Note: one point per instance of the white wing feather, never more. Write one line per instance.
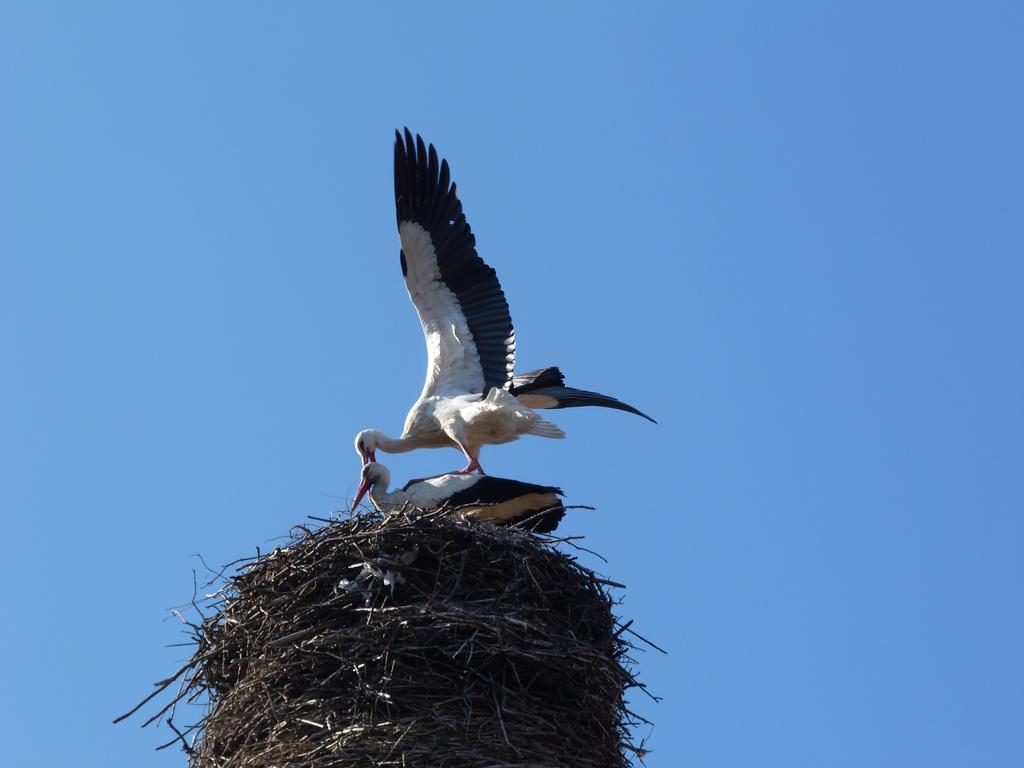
(453, 364)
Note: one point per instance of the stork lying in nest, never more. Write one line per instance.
(498, 500)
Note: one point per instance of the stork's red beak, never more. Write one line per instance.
(364, 486)
(368, 457)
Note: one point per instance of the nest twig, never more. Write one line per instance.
(409, 640)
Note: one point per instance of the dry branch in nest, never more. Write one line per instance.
(410, 640)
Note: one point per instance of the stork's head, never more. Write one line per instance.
(366, 444)
(372, 474)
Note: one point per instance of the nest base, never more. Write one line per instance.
(411, 640)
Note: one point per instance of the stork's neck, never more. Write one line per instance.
(382, 498)
(395, 444)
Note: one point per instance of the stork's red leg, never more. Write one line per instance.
(474, 463)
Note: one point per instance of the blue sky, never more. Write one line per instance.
(791, 232)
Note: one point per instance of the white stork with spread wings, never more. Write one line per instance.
(470, 397)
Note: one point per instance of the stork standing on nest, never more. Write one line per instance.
(495, 499)
(471, 397)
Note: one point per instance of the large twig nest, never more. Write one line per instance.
(412, 640)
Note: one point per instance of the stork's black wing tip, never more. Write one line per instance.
(411, 142)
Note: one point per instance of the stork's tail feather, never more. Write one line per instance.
(544, 428)
(545, 388)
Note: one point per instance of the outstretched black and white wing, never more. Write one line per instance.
(470, 340)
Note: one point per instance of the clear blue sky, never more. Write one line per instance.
(791, 232)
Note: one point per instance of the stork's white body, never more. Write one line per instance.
(472, 421)
(437, 491)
